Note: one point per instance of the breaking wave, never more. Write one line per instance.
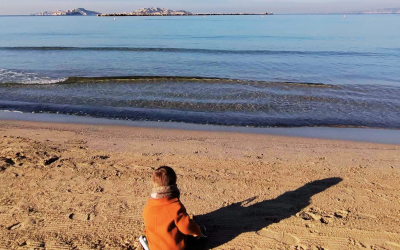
(200, 51)
(22, 77)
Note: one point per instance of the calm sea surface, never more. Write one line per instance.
(281, 70)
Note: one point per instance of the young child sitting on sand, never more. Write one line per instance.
(166, 221)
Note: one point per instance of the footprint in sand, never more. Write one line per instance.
(102, 157)
(51, 160)
(341, 214)
(308, 216)
(7, 161)
(279, 236)
(81, 217)
(35, 244)
(14, 226)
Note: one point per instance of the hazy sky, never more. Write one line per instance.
(22, 7)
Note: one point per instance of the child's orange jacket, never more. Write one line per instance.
(167, 224)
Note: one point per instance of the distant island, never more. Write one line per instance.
(167, 12)
(73, 12)
(139, 12)
(383, 11)
(379, 11)
(158, 12)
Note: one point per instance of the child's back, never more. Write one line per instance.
(167, 224)
(166, 220)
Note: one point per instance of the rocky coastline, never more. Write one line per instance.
(194, 14)
(72, 12)
(167, 12)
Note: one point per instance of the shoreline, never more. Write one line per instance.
(371, 135)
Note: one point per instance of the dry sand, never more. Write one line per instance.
(65, 186)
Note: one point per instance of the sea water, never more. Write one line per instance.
(271, 71)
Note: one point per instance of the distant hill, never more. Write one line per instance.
(73, 12)
(167, 12)
(152, 12)
(383, 11)
(160, 12)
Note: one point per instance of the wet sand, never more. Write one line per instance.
(387, 136)
(77, 186)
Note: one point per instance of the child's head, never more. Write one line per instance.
(164, 176)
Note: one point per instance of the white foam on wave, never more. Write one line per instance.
(8, 76)
(11, 111)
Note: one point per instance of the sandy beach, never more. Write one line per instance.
(76, 186)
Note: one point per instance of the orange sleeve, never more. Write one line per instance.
(184, 223)
(144, 216)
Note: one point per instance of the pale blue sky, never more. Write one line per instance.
(22, 7)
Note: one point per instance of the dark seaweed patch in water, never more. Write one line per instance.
(158, 79)
(141, 78)
(181, 78)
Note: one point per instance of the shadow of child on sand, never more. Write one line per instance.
(226, 223)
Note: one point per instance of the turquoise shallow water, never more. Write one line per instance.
(266, 64)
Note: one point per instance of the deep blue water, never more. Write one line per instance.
(268, 64)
